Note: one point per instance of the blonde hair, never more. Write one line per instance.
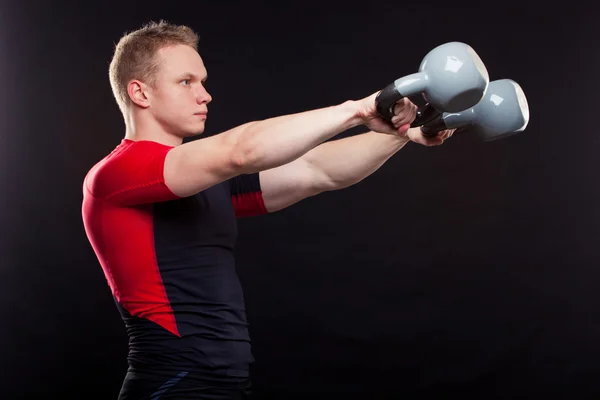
(135, 55)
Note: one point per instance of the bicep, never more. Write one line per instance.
(289, 184)
(195, 166)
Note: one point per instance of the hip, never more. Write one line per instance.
(173, 384)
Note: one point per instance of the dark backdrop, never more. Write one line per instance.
(467, 270)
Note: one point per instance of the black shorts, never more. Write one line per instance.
(139, 385)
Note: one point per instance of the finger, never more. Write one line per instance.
(403, 129)
(402, 104)
(405, 111)
(400, 119)
(434, 136)
(437, 142)
(406, 116)
(443, 134)
(396, 119)
(432, 142)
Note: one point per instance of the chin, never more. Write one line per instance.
(193, 132)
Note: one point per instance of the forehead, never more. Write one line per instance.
(180, 58)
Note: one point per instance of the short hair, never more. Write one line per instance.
(135, 55)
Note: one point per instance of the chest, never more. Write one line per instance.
(205, 218)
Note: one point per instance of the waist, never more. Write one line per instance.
(200, 374)
(192, 377)
(198, 354)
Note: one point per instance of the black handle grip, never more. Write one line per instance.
(389, 96)
(434, 126)
(385, 100)
(425, 114)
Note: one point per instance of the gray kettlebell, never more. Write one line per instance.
(502, 112)
(451, 78)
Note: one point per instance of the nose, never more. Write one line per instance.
(202, 95)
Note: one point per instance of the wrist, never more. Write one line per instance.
(355, 117)
(402, 139)
(397, 140)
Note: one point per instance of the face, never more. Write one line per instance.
(178, 100)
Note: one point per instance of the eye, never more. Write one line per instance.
(186, 82)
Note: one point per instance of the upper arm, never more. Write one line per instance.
(246, 195)
(195, 166)
(290, 183)
(132, 174)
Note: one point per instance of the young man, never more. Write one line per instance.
(161, 215)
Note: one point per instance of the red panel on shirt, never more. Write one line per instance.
(118, 218)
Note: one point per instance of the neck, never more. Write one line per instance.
(139, 129)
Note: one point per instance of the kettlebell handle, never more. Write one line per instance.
(389, 96)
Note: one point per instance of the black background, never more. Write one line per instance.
(467, 270)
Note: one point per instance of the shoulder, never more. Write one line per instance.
(128, 159)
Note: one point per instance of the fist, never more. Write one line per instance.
(405, 112)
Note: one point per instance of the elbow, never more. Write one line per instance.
(328, 183)
(337, 185)
(323, 182)
(246, 154)
(245, 158)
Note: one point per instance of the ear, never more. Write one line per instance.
(137, 91)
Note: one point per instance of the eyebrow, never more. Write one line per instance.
(194, 76)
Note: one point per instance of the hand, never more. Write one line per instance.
(404, 114)
(415, 135)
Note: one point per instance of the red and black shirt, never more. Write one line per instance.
(169, 261)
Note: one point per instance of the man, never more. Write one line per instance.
(161, 215)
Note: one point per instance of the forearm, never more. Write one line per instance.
(344, 162)
(276, 141)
